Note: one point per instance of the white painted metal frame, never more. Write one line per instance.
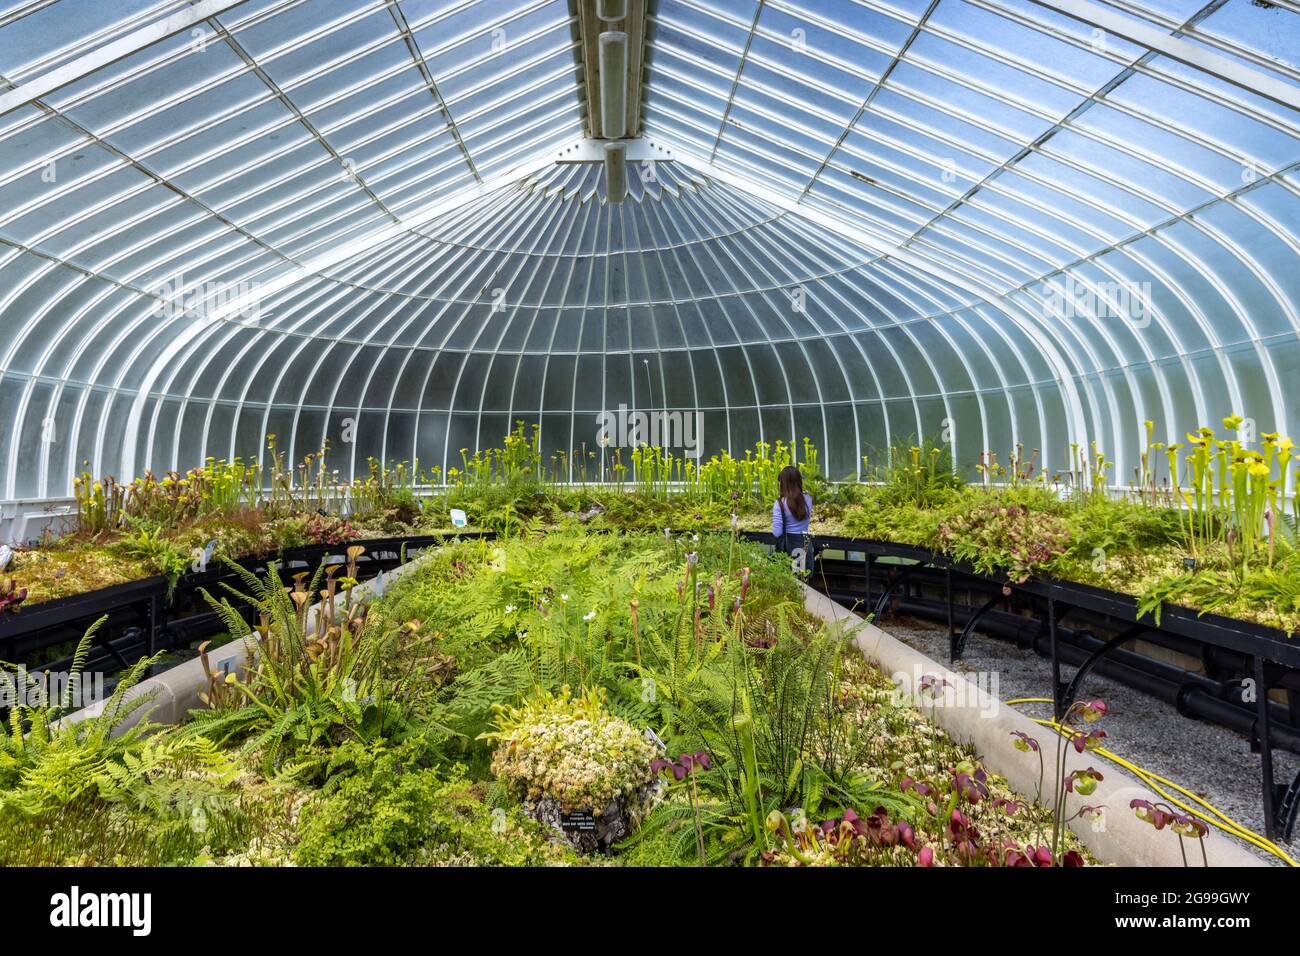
(917, 177)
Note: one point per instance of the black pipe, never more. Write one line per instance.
(129, 645)
(186, 630)
(1218, 662)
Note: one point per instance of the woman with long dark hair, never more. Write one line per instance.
(792, 510)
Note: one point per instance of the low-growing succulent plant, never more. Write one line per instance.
(571, 749)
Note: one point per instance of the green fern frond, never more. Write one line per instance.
(79, 663)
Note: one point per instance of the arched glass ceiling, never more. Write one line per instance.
(545, 303)
(873, 211)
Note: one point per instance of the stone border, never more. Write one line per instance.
(970, 715)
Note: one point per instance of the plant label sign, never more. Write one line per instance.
(458, 518)
(579, 821)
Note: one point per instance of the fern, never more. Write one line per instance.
(319, 672)
(49, 762)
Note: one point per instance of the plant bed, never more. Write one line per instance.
(732, 726)
(1238, 634)
(1207, 530)
(24, 632)
(153, 602)
(1108, 809)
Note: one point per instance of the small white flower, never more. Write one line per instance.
(510, 609)
(564, 598)
(589, 616)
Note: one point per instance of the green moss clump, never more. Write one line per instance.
(391, 811)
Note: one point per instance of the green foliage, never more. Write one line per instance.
(779, 735)
(1276, 587)
(1217, 586)
(132, 794)
(99, 504)
(46, 761)
(995, 536)
(366, 740)
(1121, 525)
(147, 543)
(904, 523)
(315, 680)
(1222, 501)
(914, 475)
(569, 749)
(389, 810)
(379, 814)
(681, 634)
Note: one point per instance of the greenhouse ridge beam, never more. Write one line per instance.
(866, 102)
(591, 26)
(735, 83)
(1185, 52)
(110, 53)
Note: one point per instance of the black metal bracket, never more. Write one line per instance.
(957, 642)
(870, 560)
(1067, 693)
(107, 645)
(947, 599)
(1287, 807)
(898, 579)
(1275, 796)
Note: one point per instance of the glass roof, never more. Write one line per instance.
(882, 218)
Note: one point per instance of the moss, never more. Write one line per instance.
(390, 811)
(571, 750)
(61, 571)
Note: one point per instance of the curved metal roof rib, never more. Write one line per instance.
(1037, 221)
